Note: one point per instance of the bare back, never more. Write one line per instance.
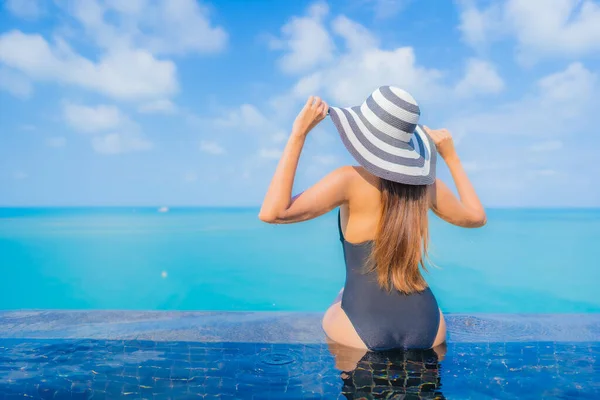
(360, 215)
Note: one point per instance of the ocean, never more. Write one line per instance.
(131, 258)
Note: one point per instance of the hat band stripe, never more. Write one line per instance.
(404, 153)
(421, 146)
(381, 126)
(398, 113)
(372, 158)
(382, 136)
(404, 128)
(415, 159)
(393, 97)
(424, 143)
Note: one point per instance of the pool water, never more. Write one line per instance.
(266, 355)
(522, 261)
(84, 369)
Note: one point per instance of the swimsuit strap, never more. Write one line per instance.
(340, 224)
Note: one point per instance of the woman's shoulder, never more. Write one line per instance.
(355, 172)
(358, 180)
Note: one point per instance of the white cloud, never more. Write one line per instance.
(325, 159)
(260, 132)
(119, 133)
(211, 147)
(487, 165)
(117, 143)
(29, 9)
(567, 28)
(480, 78)
(158, 26)
(305, 41)
(357, 38)
(541, 173)
(471, 166)
(246, 116)
(15, 83)
(570, 88)
(354, 74)
(509, 171)
(279, 137)
(164, 106)
(549, 145)
(92, 119)
(270, 153)
(363, 64)
(56, 142)
(388, 8)
(555, 108)
(479, 26)
(130, 37)
(129, 7)
(124, 73)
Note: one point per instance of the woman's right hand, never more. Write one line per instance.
(443, 142)
(313, 112)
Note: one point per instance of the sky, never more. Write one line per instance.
(185, 102)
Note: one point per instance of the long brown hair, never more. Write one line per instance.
(402, 236)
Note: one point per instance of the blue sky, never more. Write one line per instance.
(104, 102)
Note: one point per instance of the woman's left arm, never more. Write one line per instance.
(331, 191)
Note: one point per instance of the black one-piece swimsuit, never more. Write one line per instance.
(385, 320)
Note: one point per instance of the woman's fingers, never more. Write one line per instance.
(310, 100)
(325, 109)
(318, 106)
(438, 135)
(317, 103)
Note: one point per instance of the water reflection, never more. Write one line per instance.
(411, 374)
(104, 369)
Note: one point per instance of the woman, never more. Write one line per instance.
(385, 303)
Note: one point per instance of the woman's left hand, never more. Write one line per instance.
(313, 112)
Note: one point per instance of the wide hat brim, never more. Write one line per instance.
(411, 163)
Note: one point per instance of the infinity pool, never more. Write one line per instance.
(108, 355)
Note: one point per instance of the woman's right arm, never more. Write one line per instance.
(466, 211)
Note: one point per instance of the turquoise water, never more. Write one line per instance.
(522, 261)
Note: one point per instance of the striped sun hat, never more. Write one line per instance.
(383, 135)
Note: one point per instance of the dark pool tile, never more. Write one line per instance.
(114, 389)
(126, 380)
(62, 394)
(82, 395)
(146, 391)
(102, 368)
(162, 383)
(177, 358)
(98, 395)
(13, 396)
(216, 372)
(180, 372)
(45, 392)
(162, 373)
